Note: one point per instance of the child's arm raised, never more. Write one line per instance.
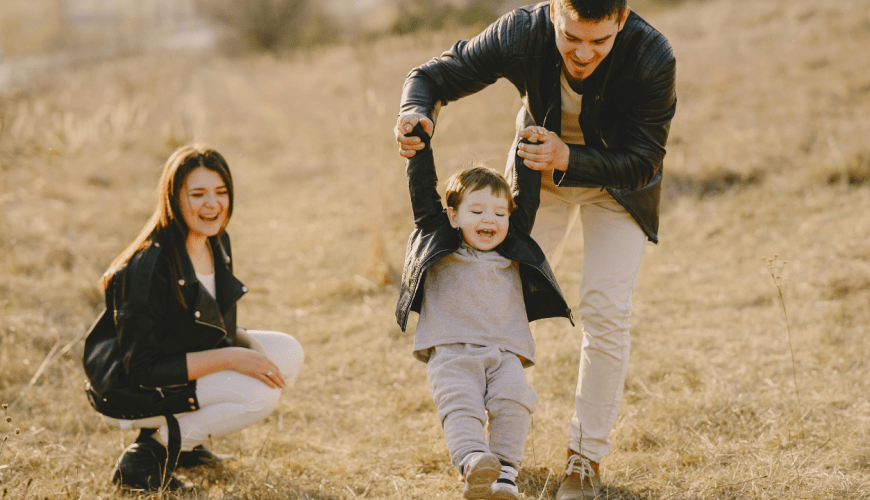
(526, 185)
(423, 182)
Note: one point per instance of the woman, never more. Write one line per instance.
(166, 356)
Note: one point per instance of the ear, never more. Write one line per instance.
(624, 18)
(451, 214)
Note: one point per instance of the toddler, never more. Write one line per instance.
(477, 279)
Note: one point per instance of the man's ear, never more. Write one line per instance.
(624, 18)
(451, 214)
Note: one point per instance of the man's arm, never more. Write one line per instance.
(636, 160)
(643, 135)
(468, 67)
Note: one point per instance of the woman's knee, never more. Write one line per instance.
(283, 350)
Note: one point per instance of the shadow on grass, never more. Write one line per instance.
(543, 483)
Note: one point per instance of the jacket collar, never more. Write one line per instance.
(206, 308)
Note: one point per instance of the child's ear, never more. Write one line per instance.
(451, 214)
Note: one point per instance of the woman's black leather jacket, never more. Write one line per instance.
(135, 353)
(433, 238)
(628, 101)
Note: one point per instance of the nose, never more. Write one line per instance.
(211, 200)
(584, 53)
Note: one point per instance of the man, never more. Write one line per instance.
(602, 81)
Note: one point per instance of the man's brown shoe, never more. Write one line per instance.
(581, 479)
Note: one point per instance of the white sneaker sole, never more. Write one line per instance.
(478, 481)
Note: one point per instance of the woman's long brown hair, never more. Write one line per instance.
(167, 222)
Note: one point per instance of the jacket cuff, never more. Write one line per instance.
(172, 370)
(579, 173)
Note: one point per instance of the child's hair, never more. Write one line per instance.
(474, 178)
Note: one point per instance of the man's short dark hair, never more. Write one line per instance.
(593, 10)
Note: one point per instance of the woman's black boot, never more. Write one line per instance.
(143, 466)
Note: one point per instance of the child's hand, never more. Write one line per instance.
(409, 145)
(547, 152)
(534, 133)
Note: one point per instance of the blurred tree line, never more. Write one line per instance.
(113, 27)
(282, 25)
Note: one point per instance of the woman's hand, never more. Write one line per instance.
(550, 153)
(252, 362)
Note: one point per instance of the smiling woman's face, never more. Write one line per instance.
(204, 202)
(583, 44)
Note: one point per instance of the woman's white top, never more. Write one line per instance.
(207, 281)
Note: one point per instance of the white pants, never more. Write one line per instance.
(613, 244)
(229, 401)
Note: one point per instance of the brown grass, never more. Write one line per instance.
(772, 91)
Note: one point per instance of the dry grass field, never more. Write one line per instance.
(768, 157)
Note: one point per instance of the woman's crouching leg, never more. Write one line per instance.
(283, 350)
(229, 402)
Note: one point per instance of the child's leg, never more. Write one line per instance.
(457, 376)
(510, 401)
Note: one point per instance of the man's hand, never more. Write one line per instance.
(550, 152)
(408, 146)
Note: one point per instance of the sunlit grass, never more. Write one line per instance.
(767, 156)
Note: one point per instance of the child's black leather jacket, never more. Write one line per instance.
(433, 238)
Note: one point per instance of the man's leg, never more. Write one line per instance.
(613, 247)
(555, 217)
(613, 244)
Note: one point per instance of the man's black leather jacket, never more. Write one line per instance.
(136, 352)
(628, 101)
(433, 238)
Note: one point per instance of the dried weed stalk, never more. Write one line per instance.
(16, 431)
(775, 268)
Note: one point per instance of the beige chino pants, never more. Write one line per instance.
(613, 244)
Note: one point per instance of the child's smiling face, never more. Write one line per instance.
(483, 217)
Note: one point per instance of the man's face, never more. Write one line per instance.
(583, 44)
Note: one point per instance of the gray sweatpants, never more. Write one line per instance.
(468, 381)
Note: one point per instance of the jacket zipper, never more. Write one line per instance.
(213, 326)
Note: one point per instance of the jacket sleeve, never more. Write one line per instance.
(642, 136)
(526, 185)
(141, 309)
(423, 183)
(468, 67)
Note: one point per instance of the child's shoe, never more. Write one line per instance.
(505, 488)
(480, 471)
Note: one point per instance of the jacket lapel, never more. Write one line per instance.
(229, 288)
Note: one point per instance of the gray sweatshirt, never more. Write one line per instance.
(474, 297)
